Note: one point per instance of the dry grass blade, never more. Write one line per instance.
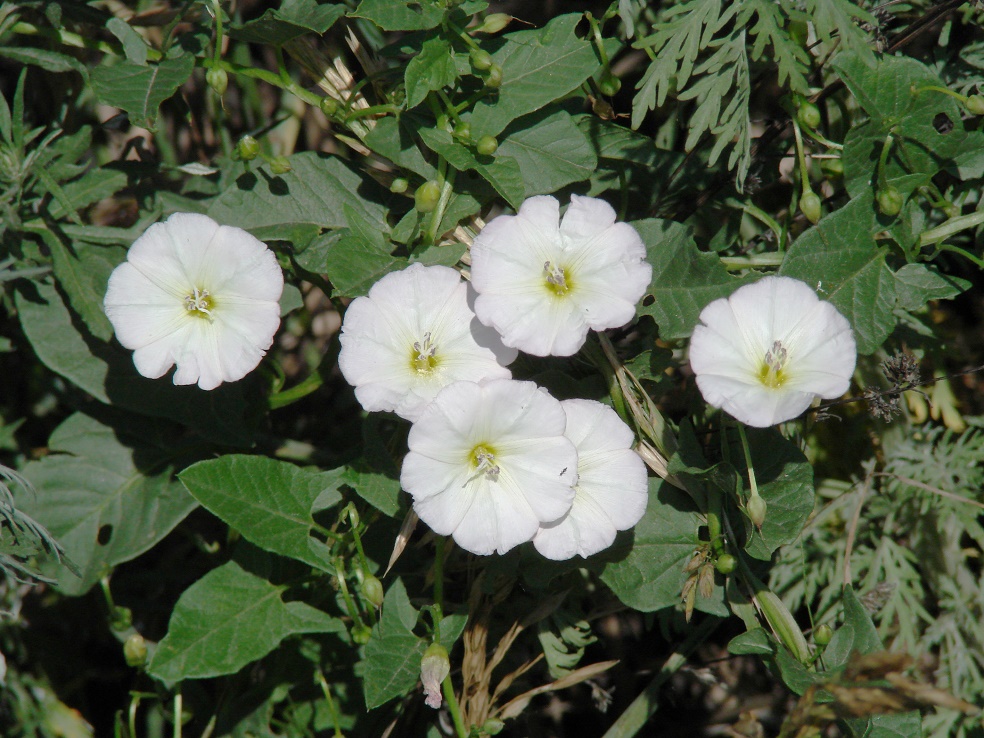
(516, 706)
(402, 538)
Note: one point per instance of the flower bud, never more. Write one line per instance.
(808, 115)
(372, 590)
(493, 23)
(398, 185)
(462, 131)
(218, 80)
(480, 60)
(361, 634)
(427, 196)
(280, 165)
(434, 669)
(494, 76)
(487, 145)
(248, 148)
(328, 105)
(492, 726)
(121, 619)
(833, 168)
(756, 510)
(810, 206)
(822, 635)
(609, 84)
(975, 104)
(890, 201)
(135, 650)
(725, 564)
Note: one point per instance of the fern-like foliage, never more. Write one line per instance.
(22, 539)
(840, 19)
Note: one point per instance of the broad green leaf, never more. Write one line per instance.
(645, 566)
(432, 68)
(106, 371)
(856, 633)
(379, 489)
(50, 61)
(755, 641)
(685, 279)
(499, 170)
(785, 481)
(107, 494)
(140, 89)
(391, 666)
(917, 284)
(840, 259)
(906, 725)
(551, 151)
(395, 140)
(315, 191)
(401, 15)
(269, 502)
(91, 187)
(538, 67)
(293, 18)
(133, 43)
(227, 619)
(357, 257)
(83, 276)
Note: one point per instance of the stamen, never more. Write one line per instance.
(773, 372)
(776, 356)
(199, 301)
(556, 278)
(426, 354)
(484, 461)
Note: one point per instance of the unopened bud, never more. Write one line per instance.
(218, 80)
(434, 669)
(810, 206)
(280, 165)
(329, 106)
(494, 22)
(135, 650)
(756, 510)
(890, 201)
(487, 145)
(725, 563)
(975, 104)
(427, 196)
(494, 76)
(121, 619)
(808, 115)
(609, 84)
(361, 634)
(822, 635)
(462, 131)
(492, 726)
(399, 185)
(480, 60)
(248, 148)
(372, 590)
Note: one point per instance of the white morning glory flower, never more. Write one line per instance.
(413, 334)
(199, 295)
(765, 353)
(489, 463)
(543, 282)
(612, 487)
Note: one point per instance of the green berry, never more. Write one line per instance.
(218, 80)
(609, 84)
(975, 104)
(822, 635)
(248, 148)
(809, 205)
(399, 185)
(329, 106)
(808, 115)
(481, 60)
(726, 563)
(372, 590)
(280, 165)
(427, 196)
(487, 145)
(890, 201)
(494, 76)
(135, 650)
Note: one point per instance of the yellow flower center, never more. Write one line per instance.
(423, 358)
(773, 373)
(556, 279)
(482, 458)
(200, 304)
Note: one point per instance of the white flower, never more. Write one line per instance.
(612, 485)
(543, 285)
(769, 350)
(489, 463)
(434, 669)
(199, 295)
(413, 334)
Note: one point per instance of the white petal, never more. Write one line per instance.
(586, 218)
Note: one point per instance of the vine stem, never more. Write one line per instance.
(447, 688)
(752, 484)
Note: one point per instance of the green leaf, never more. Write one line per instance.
(107, 373)
(645, 567)
(755, 641)
(50, 61)
(550, 149)
(227, 619)
(354, 259)
(770, 32)
(83, 276)
(292, 19)
(785, 481)
(856, 633)
(839, 258)
(685, 279)
(93, 186)
(401, 15)
(500, 171)
(379, 489)
(140, 89)
(107, 497)
(917, 284)
(133, 43)
(394, 139)
(538, 67)
(269, 502)
(316, 191)
(432, 68)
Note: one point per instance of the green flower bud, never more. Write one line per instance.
(248, 148)
(493, 23)
(492, 726)
(427, 196)
(487, 145)
(135, 650)
(480, 60)
(353, 516)
(218, 80)
(890, 201)
(398, 185)
(462, 131)
(808, 115)
(280, 165)
(609, 84)
(822, 635)
(121, 619)
(372, 590)
(493, 78)
(361, 634)
(328, 105)
(975, 104)
(833, 168)
(726, 563)
(810, 206)
(756, 510)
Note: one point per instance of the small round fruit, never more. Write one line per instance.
(609, 84)
(427, 196)
(890, 201)
(822, 635)
(372, 590)
(218, 80)
(808, 115)
(399, 185)
(725, 563)
(248, 148)
(329, 106)
(361, 634)
(487, 145)
(135, 650)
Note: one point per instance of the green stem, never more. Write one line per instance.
(801, 158)
(68, 38)
(177, 712)
(297, 392)
(752, 485)
(356, 113)
(599, 42)
(936, 88)
(350, 605)
(336, 717)
(267, 76)
(715, 512)
(962, 252)
(823, 141)
(438, 586)
(217, 55)
(883, 162)
(734, 263)
(952, 227)
(446, 177)
(459, 724)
